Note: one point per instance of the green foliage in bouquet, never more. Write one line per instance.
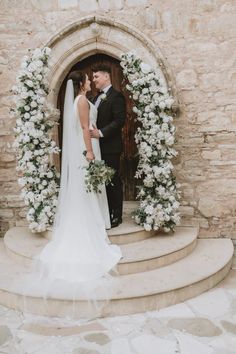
(97, 174)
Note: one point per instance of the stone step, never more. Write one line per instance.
(127, 232)
(144, 255)
(201, 270)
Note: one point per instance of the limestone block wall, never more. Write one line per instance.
(197, 40)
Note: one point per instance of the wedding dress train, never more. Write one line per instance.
(77, 260)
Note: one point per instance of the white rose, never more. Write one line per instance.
(30, 93)
(166, 229)
(145, 68)
(29, 83)
(31, 67)
(149, 220)
(135, 109)
(166, 119)
(169, 140)
(175, 205)
(27, 115)
(19, 122)
(50, 174)
(24, 95)
(33, 104)
(169, 102)
(39, 63)
(147, 227)
(162, 105)
(160, 135)
(47, 50)
(149, 209)
(147, 109)
(152, 115)
(164, 127)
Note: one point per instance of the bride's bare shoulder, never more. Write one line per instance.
(81, 101)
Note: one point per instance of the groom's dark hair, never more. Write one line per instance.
(102, 67)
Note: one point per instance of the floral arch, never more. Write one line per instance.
(97, 35)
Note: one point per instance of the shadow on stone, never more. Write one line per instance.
(200, 327)
(229, 326)
(5, 334)
(99, 338)
(85, 351)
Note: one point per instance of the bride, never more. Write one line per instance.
(79, 253)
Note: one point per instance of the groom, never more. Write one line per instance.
(111, 118)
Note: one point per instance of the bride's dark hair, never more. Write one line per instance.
(79, 79)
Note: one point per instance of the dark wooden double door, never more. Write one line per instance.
(129, 155)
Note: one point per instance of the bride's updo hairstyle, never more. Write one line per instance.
(79, 79)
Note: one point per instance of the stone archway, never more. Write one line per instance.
(97, 35)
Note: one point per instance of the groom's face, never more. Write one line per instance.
(101, 79)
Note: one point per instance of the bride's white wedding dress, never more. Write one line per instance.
(76, 262)
(79, 250)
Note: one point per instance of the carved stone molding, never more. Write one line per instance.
(97, 34)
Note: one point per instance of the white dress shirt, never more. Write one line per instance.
(98, 101)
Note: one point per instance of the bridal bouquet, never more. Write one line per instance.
(97, 174)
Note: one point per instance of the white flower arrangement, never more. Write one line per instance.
(158, 193)
(34, 118)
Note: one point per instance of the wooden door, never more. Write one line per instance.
(128, 158)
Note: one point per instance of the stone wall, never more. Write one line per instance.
(197, 40)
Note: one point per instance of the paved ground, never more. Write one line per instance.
(203, 325)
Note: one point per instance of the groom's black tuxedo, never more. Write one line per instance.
(110, 120)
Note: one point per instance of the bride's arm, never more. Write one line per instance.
(83, 108)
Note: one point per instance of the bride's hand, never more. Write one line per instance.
(90, 156)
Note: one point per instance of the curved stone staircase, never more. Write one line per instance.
(157, 270)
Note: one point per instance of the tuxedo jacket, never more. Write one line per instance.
(110, 120)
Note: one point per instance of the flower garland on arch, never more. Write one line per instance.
(34, 118)
(158, 193)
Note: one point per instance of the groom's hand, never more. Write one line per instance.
(94, 133)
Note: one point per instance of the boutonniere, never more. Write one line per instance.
(103, 97)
